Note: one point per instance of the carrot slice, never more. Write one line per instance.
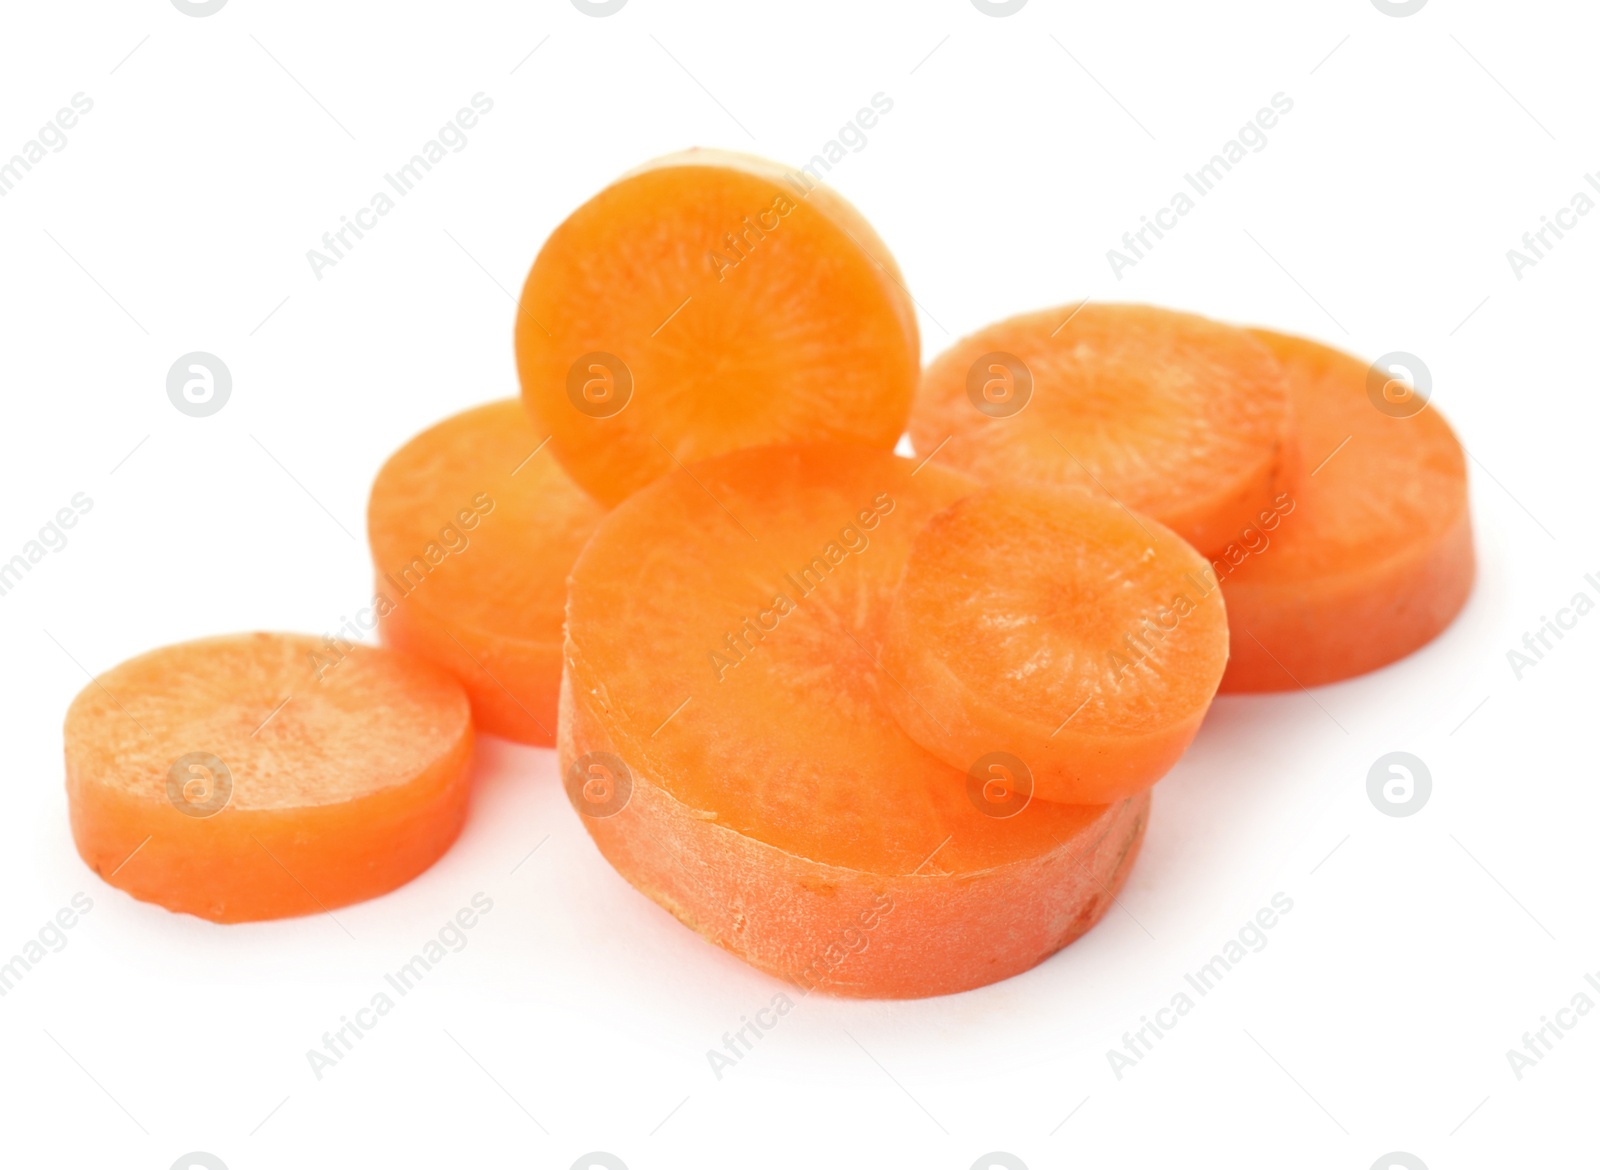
(473, 529)
(1181, 418)
(726, 735)
(707, 302)
(1059, 628)
(247, 777)
(1368, 555)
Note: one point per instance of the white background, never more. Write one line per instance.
(1019, 149)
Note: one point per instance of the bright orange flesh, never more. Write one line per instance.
(1053, 625)
(329, 790)
(722, 630)
(705, 303)
(473, 529)
(1369, 554)
(1181, 418)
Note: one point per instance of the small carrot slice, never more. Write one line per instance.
(247, 777)
(1055, 626)
(706, 302)
(726, 735)
(473, 528)
(1368, 555)
(1184, 419)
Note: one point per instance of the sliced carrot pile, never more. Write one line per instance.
(879, 727)
(1368, 555)
(1056, 627)
(707, 302)
(727, 734)
(473, 529)
(247, 777)
(1181, 418)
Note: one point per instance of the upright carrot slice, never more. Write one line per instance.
(1184, 419)
(726, 735)
(244, 777)
(473, 529)
(1056, 627)
(1368, 555)
(707, 302)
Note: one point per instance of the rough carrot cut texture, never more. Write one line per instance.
(726, 735)
(1369, 554)
(1172, 415)
(705, 303)
(224, 778)
(473, 528)
(1055, 626)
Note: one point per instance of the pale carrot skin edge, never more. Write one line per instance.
(848, 933)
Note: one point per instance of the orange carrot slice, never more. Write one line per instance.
(1368, 555)
(1181, 418)
(244, 777)
(707, 302)
(473, 528)
(726, 735)
(1060, 629)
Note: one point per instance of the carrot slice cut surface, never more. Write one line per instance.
(1055, 626)
(1170, 414)
(473, 529)
(1369, 554)
(708, 302)
(727, 737)
(245, 777)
